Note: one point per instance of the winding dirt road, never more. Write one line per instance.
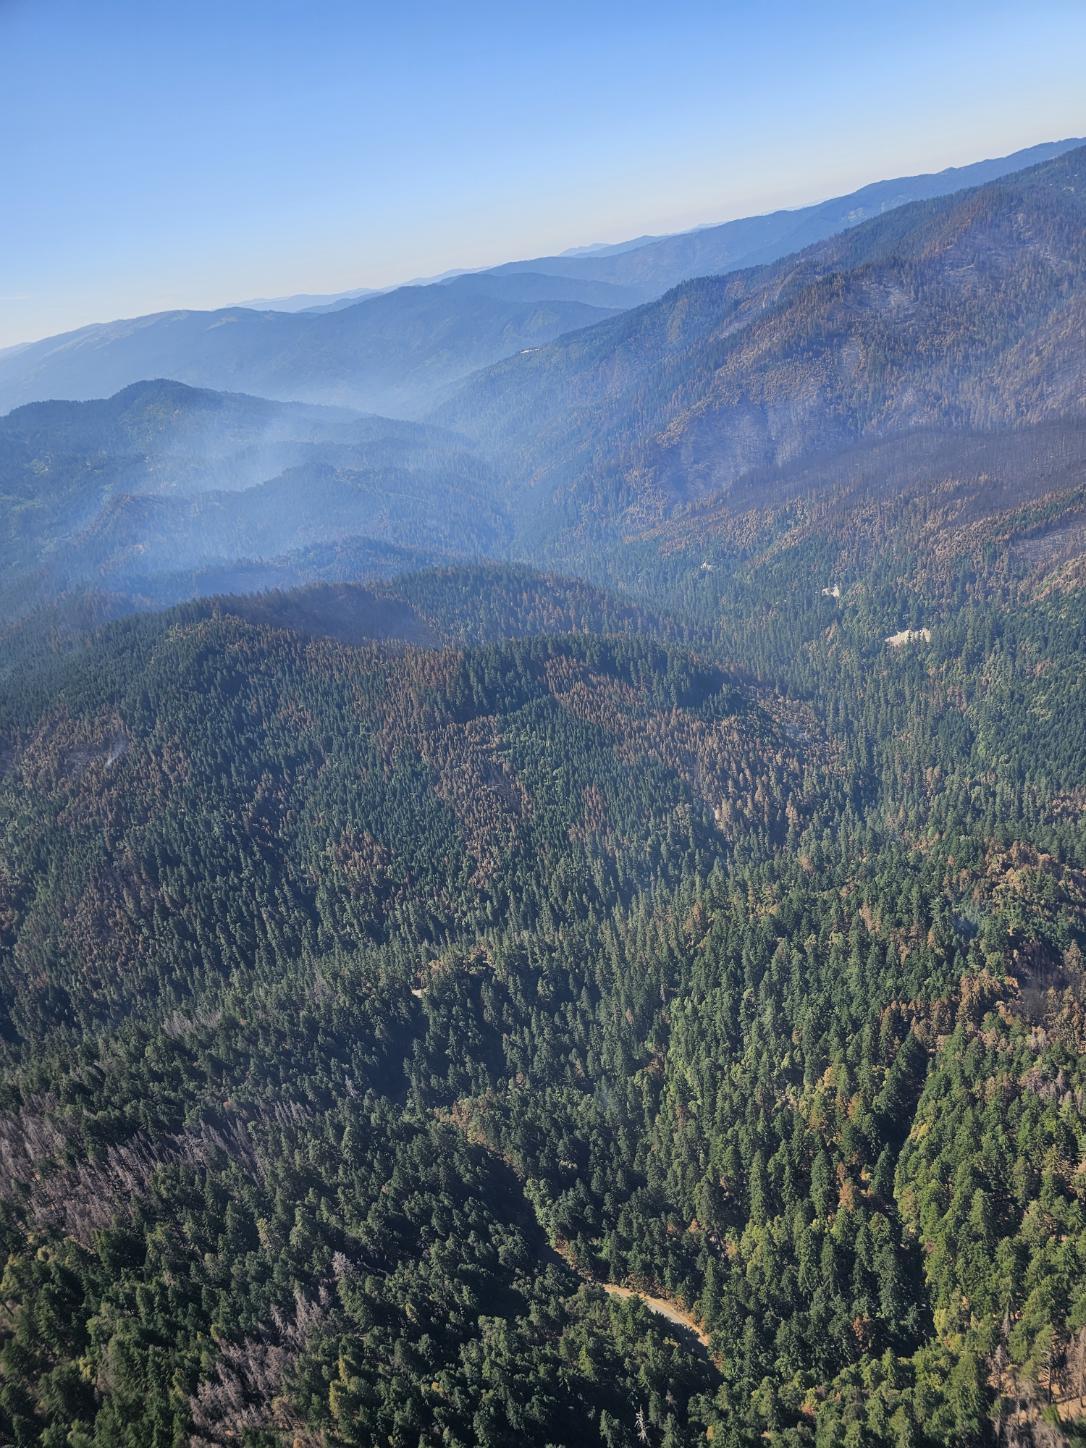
(659, 1305)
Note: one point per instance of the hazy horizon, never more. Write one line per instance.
(284, 149)
(464, 267)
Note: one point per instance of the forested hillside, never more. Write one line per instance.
(165, 491)
(387, 353)
(398, 350)
(962, 313)
(462, 1003)
(365, 1007)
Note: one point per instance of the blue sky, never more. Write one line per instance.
(163, 153)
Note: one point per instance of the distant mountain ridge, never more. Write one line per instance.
(307, 301)
(400, 351)
(713, 248)
(962, 312)
(165, 490)
(655, 264)
(389, 353)
(944, 320)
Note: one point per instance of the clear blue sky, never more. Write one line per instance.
(161, 153)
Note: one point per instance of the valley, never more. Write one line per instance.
(557, 914)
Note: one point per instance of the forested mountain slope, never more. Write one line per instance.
(609, 275)
(468, 603)
(655, 264)
(945, 516)
(453, 604)
(369, 784)
(961, 313)
(387, 966)
(364, 1004)
(398, 350)
(388, 353)
(165, 490)
(426, 728)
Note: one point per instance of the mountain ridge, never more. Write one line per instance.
(398, 350)
(712, 234)
(960, 311)
(160, 481)
(406, 977)
(662, 262)
(379, 355)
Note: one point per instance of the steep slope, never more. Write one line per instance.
(537, 286)
(653, 265)
(482, 603)
(396, 351)
(387, 353)
(966, 312)
(929, 542)
(365, 1006)
(610, 275)
(163, 482)
(437, 759)
(941, 498)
